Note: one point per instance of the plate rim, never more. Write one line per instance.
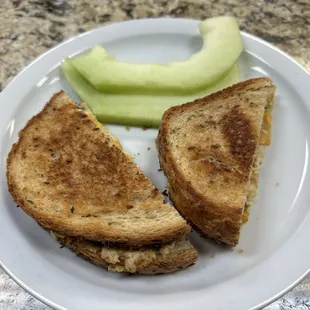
(170, 19)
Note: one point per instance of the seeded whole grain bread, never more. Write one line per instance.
(207, 149)
(71, 176)
(165, 258)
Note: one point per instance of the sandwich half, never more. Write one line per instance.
(210, 151)
(74, 179)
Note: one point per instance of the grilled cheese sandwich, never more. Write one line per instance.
(72, 176)
(210, 151)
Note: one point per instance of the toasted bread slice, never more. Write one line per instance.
(72, 177)
(166, 258)
(207, 149)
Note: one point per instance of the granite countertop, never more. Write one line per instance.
(30, 27)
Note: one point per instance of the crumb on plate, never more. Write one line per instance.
(165, 192)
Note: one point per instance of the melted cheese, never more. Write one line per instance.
(246, 213)
(265, 133)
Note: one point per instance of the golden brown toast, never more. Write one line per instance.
(206, 150)
(72, 177)
(166, 258)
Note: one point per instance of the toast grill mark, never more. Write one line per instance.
(238, 132)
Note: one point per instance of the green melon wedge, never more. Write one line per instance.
(134, 109)
(222, 45)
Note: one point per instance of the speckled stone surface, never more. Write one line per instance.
(30, 27)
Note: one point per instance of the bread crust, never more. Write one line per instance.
(206, 150)
(167, 258)
(71, 175)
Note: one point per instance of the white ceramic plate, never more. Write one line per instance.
(275, 241)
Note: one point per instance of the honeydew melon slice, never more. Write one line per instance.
(134, 109)
(222, 45)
